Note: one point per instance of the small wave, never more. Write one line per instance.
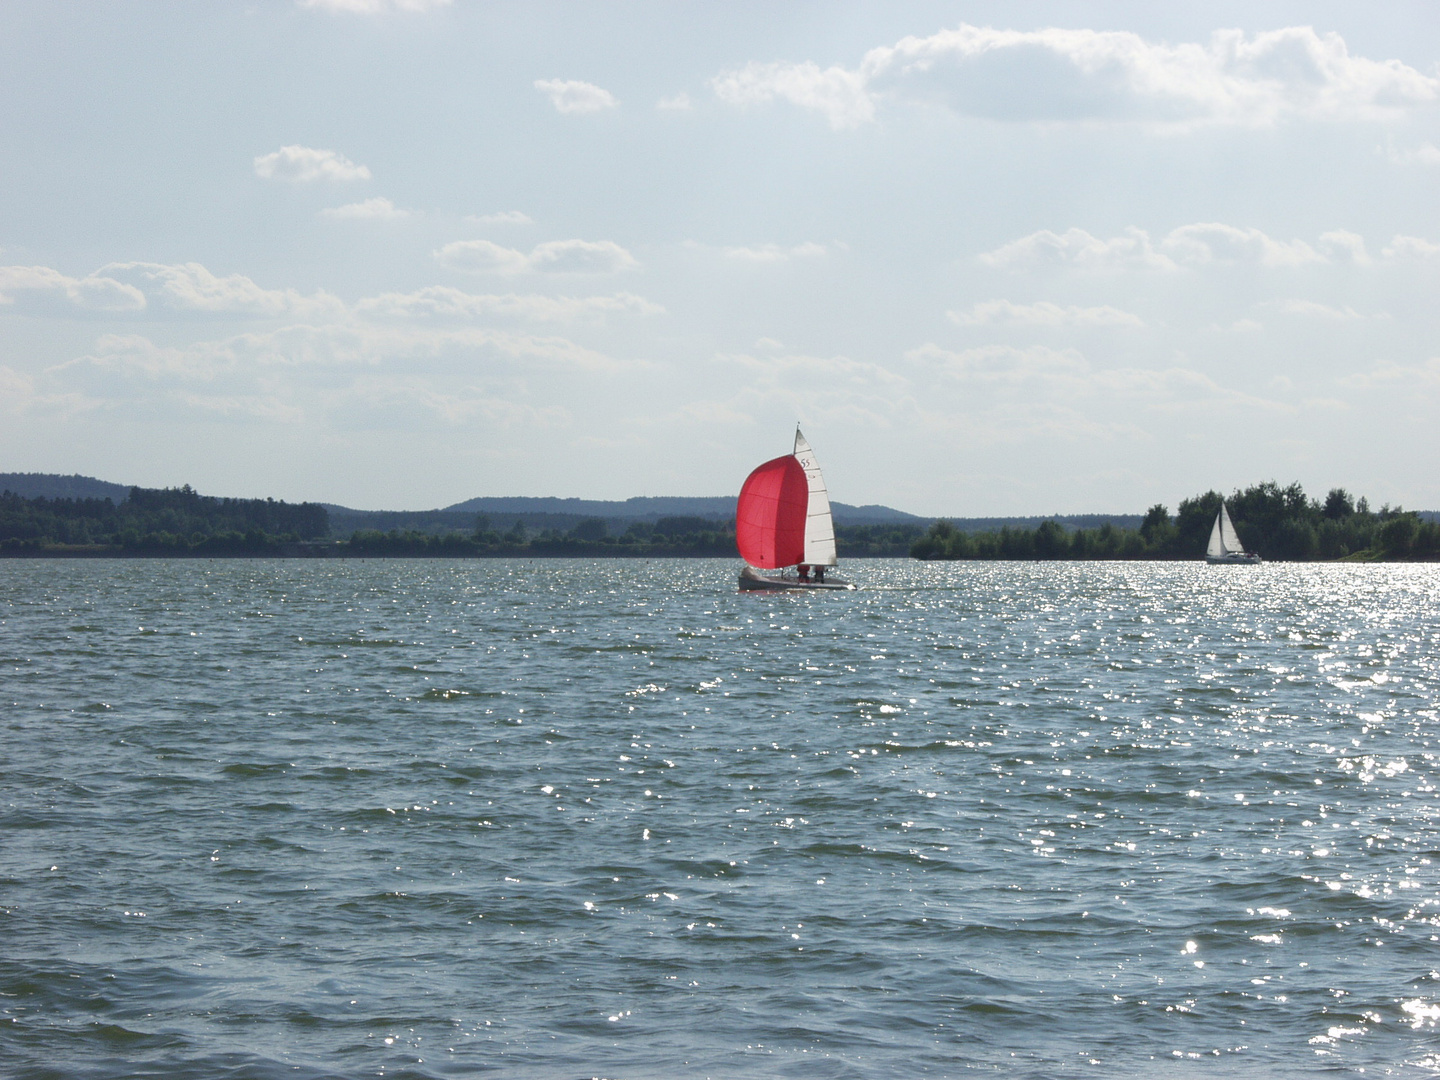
(258, 769)
(437, 694)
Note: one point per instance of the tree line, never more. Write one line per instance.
(182, 522)
(670, 537)
(1280, 523)
(151, 521)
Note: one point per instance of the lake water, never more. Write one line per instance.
(569, 819)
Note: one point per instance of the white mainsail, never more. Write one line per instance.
(819, 526)
(1223, 538)
(1228, 536)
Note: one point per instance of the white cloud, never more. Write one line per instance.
(303, 164)
(1207, 242)
(573, 96)
(1421, 377)
(376, 209)
(841, 95)
(39, 288)
(1043, 313)
(505, 217)
(1076, 247)
(482, 257)
(1411, 247)
(1200, 244)
(581, 257)
(555, 257)
(320, 365)
(190, 287)
(374, 7)
(773, 253)
(1340, 245)
(1068, 75)
(361, 378)
(443, 302)
(131, 287)
(679, 103)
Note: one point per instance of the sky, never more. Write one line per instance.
(996, 259)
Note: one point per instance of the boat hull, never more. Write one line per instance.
(1247, 559)
(752, 580)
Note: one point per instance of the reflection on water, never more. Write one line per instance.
(568, 818)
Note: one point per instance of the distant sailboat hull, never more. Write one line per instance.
(1235, 558)
(752, 580)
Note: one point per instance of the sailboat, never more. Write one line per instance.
(782, 520)
(1225, 546)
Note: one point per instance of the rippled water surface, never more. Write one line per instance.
(572, 819)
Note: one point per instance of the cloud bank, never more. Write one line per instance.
(39, 288)
(1199, 244)
(443, 302)
(1059, 75)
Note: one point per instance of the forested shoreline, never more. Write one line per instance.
(181, 523)
(149, 522)
(1281, 524)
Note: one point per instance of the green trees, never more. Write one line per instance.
(1338, 505)
(1280, 523)
(1398, 536)
(590, 529)
(1157, 530)
(938, 543)
(175, 521)
(1194, 519)
(861, 541)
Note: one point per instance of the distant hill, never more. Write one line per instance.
(562, 515)
(653, 507)
(539, 513)
(50, 486)
(640, 508)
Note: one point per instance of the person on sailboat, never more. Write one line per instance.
(819, 575)
(803, 570)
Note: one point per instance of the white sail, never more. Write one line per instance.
(1228, 537)
(819, 526)
(1217, 544)
(1224, 540)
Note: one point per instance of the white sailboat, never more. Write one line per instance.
(1225, 546)
(782, 519)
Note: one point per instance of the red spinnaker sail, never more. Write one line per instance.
(770, 517)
